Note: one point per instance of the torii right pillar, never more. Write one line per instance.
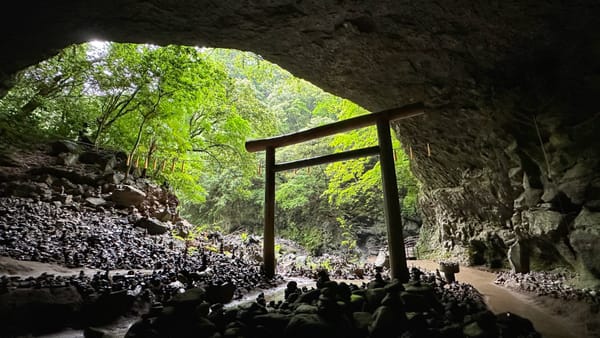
(391, 203)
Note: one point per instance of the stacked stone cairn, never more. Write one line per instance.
(426, 306)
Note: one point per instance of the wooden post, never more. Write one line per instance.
(173, 164)
(391, 203)
(269, 231)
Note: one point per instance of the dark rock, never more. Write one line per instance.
(518, 256)
(52, 309)
(306, 309)
(67, 159)
(512, 325)
(152, 225)
(189, 300)
(374, 297)
(127, 196)
(276, 322)
(309, 325)
(387, 322)
(95, 201)
(64, 146)
(543, 222)
(584, 239)
(108, 307)
(220, 293)
(362, 322)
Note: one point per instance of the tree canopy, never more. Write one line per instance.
(186, 112)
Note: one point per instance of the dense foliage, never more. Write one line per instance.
(185, 113)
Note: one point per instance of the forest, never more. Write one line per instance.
(181, 115)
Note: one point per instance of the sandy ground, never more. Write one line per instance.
(551, 317)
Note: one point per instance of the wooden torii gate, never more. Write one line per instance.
(393, 218)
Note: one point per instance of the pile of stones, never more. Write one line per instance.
(47, 303)
(84, 237)
(548, 284)
(424, 307)
(340, 268)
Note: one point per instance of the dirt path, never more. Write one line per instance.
(503, 300)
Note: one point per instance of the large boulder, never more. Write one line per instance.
(584, 240)
(518, 256)
(64, 146)
(127, 196)
(152, 225)
(543, 222)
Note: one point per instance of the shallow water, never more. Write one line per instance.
(501, 300)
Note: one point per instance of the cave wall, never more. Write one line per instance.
(496, 77)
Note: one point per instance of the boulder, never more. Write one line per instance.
(543, 222)
(127, 196)
(362, 321)
(584, 240)
(512, 325)
(220, 293)
(529, 198)
(518, 257)
(64, 146)
(276, 322)
(67, 159)
(95, 201)
(382, 260)
(309, 325)
(152, 225)
(386, 320)
(574, 182)
(107, 307)
(188, 300)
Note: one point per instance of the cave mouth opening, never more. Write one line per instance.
(126, 97)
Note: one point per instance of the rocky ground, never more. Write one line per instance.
(424, 307)
(72, 207)
(554, 291)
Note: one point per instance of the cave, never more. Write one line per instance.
(509, 90)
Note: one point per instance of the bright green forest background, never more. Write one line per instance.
(197, 107)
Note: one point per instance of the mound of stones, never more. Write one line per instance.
(49, 303)
(70, 205)
(424, 307)
(548, 284)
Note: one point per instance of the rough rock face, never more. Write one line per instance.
(511, 88)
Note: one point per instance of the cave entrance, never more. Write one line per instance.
(393, 219)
